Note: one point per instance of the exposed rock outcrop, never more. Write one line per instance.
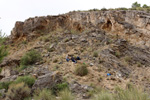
(133, 23)
(47, 81)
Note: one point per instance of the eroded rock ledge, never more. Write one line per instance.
(134, 25)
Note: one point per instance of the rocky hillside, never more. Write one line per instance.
(112, 45)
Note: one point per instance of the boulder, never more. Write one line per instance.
(47, 81)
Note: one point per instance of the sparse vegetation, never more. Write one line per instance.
(18, 91)
(59, 87)
(117, 53)
(103, 9)
(5, 85)
(30, 58)
(66, 95)
(139, 64)
(104, 95)
(130, 93)
(73, 31)
(21, 67)
(28, 80)
(3, 48)
(81, 70)
(3, 52)
(127, 59)
(95, 54)
(45, 94)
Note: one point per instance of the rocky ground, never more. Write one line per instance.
(115, 42)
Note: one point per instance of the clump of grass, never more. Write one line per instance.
(18, 91)
(66, 95)
(104, 95)
(5, 85)
(28, 80)
(21, 67)
(59, 87)
(95, 54)
(139, 64)
(30, 58)
(45, 94)
(81, 70)
(117, 53)
(127, 59)
(130, 93)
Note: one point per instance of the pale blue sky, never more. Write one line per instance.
(19, 10)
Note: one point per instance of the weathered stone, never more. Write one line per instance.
(10, 78)
(78, 88)
(47, 81)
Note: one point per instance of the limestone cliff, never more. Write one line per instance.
(134, 25)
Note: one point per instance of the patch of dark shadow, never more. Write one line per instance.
(107, 26)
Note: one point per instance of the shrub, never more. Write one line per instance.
(44, 95)
(18, 91)
(59, 87)
(117, 53)
(21, 67)
(66, 95)
(81, 70)
(28, 80)
(103, 9)
(31, 57)
(5, 85)
(122, 8)
(135, 5)
(127, 59)
(62, 86)
(95, 54)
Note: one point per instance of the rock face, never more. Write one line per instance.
(133, 23)
(47, 81)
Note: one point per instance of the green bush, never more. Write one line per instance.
(59, 87)
(103, 9)
(18, 91)
(5, 85)
(81, 70)
(28, 80)
(135, 5)
(62, 86)
(30, 58)
(44, 95)
(66, 95)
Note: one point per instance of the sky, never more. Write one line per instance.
(19, 10)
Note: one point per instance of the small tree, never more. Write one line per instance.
(136, 5)
(145, 6)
